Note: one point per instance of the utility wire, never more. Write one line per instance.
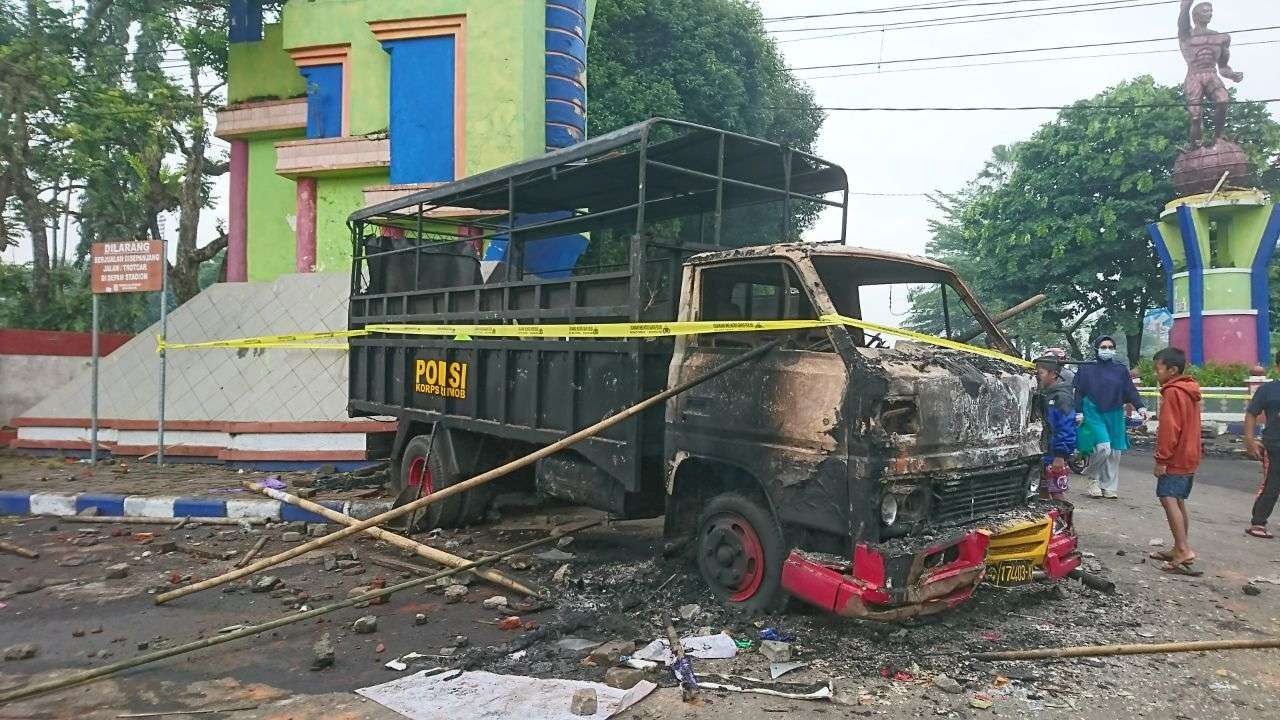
(1081, 106)
(900, 8)
(1100, 6)
(993, 53)
(873, 29)
(1020, 61)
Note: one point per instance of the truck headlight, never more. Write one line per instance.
(1033, 481)
(889, 509)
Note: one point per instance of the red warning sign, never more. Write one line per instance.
(125, 267)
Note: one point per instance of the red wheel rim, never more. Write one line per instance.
(732, 556)
(420, 476)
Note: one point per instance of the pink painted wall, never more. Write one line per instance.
(238, 214)
(306, 229)
(1227, 338)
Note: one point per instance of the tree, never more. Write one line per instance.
(1065, 212)
(706, 61)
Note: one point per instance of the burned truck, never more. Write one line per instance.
(870, 477)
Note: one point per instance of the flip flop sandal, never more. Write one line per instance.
(1181, 569)
(1165, 555)
(1260, 533)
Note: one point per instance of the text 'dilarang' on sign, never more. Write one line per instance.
(125, 267)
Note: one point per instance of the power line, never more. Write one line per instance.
(960, 20)
(993, 53)
(954, 108)
(900, 8)
(1099, 6)
(1018, 61)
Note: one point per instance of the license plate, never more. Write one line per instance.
(1011, 572)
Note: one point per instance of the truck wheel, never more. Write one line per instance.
(740, 552)
(422, 468)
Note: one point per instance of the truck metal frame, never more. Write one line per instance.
(809, 448)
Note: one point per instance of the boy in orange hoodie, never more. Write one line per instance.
(1177, 455)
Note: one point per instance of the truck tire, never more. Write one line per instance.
(419, 466)
(740, 551)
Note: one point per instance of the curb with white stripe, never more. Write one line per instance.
(58, 504)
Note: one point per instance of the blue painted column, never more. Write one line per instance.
(566, 84)
(1166, 260)
(324, 100)
(244, 21)
(1259, 285)
(1195, 285)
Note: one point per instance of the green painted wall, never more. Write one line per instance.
(1227, 291)
(272, 203)
(262, 70)
(1172, 234)
(504, 67)
(336, 199)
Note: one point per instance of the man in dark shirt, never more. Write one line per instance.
(1266, 400)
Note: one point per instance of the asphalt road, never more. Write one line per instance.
(271, 671)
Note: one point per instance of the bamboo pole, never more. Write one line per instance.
(466, 485)
(425, 551)
(252, 551)
(1149, 649)
(67, 681)
(142, 520)
(18, 550)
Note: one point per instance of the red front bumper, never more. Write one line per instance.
(885, 585)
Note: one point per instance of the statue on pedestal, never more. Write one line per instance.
(1203, 166)
(1207, 53)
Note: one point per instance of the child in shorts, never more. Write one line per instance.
(1058, 436)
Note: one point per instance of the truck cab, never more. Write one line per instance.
(875, 474)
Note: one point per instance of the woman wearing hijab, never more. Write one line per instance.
(1102, 390)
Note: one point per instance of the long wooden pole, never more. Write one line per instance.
(425, 551)
(69, 680)
(1151, 649)
(465, 485)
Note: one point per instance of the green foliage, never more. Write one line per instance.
(70, 306)
(705, 61)
(1210, 375)
(1065, 213)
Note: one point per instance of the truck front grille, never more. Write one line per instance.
(971, 497)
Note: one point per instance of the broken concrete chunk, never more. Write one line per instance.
(323, 650)
(117, 571)
(554, 555)
(366, 624)
(583, 702)
(562, 574)
(291, 536)
(623, 678)
(948, 685)
(576, 645)
(24, 651)
(419, 619)
(775, 651)
(454, 593)
(689, 612)
(495, 602)
(330, 563)
(264, 583)
(608, 653)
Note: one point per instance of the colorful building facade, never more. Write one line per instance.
(345, 103)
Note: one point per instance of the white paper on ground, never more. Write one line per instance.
(707, 647)
(485, 696)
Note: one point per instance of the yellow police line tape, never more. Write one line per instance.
(1203, 396)
(308, 341)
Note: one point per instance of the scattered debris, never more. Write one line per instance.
(253, 552)
(454, 593)
(419, 619)
(778, 669)
(576, 645)
(795, 691)
(609, 653)
(291, 537)
(1251, 589)
(18, 550)
(981, 703)
(775, 651)
(117, 571)
(562, 574)
(432, 694)
(772, 634)
(263, 583)
(401, 663)
(495, 602)
(554, 555)
(947, 685)
(366, 624)
(689, 612)
(706, 647)
(511, 622)
(583, 702)
(24, 651)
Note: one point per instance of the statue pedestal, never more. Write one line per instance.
(1216, 251)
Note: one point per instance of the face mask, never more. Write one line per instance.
(1107, 354)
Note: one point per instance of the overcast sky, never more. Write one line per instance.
(913, 153)
(897, 152)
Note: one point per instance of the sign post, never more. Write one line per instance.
(164, 334)
(121, 267)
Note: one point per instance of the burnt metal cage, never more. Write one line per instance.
(593, 233)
